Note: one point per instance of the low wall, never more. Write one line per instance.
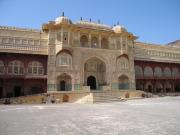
(81, 96)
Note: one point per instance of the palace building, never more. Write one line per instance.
(84, 55)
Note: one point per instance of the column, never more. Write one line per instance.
(121, 43)
(99, 41)
(69, 38)
(79, 36)
(89, 40)
(62, 35)
(163, 90)
(126, 44)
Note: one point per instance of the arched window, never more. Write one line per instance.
(157, 72)
(35, 68)
(175, 72)
(84, 41)
(167, 72)
(104, 43)
(138, 71)
(148, 71)
(64, 59)
(1, 67)
(94, 42)
(122, 63)
(16, 67)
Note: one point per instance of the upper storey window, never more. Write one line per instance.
(1, 67)
(59, 36)
(104, 43)
(118, 43)
(158, 72)
(65, 37)
(138, 71)
(64, 59)
(94, 42)
(148, 71)
(123, 43)
(16, 67)
(175, 72)
(167, 72)
(62, 37)
(35, 68)
(122, 63)
(84, 41)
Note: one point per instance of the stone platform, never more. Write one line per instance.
(81, 96)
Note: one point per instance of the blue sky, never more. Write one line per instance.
(154, 21)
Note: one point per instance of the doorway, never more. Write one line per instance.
(1, 92)
(62, 85)
(17, 91)
(91, 81)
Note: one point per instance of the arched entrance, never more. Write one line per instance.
(17, 91)
(159, 87)
(177, 87)
(62, 85)
(149, 87)
(94, 73)
(64, 82)
(91, 81)
(123, 82)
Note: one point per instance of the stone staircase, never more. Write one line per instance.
(105, 97)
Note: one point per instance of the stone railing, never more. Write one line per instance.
(142, 53)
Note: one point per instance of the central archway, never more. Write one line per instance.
(94, 73)
(62, 85)
(91, 81)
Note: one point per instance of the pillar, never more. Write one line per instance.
(99, 41)
(89, 40)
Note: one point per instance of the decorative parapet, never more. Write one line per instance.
(21, 40)
(145, 51)
(18, 29)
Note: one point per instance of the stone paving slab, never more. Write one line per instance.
(155, 116)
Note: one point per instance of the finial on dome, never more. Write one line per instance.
(63, 13)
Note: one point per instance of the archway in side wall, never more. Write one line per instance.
(64, 82)
(139, 85)
(123, 82)
(177, 87)
(95, 73)
(149, 87)
(159, 87)
(168, 87)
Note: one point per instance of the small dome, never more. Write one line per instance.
(63, 19)
(119, 29)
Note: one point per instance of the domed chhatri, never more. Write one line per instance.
(63, 20)
(119, 29)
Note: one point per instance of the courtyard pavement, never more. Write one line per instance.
(155, 116)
